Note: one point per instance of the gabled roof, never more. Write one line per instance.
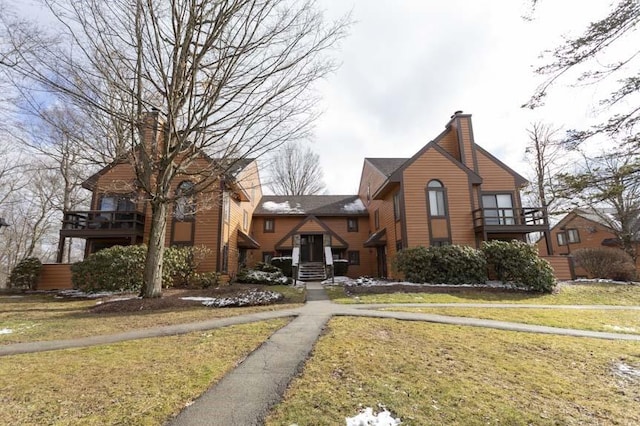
(396, 175)
(305, 205)
(588, 214)
(336, 240)
(386, 166)
(519, 179)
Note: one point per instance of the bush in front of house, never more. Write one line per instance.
(205, 279)
(340, 267)
(181, 263)
(517, 263)
(452, 264)
(25, 274)
(121, 268)
(284, 264)
(606, 262)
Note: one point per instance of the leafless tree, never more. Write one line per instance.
(547, 157)
(295, 170)
(231, 79)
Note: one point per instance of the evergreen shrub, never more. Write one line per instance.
(25, 274)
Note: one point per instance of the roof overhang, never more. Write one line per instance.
(246, 241)
(377, 239)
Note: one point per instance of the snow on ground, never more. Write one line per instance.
(626, 371)
(82, 294)
(249, 298)
(367, 417)
(6, 331)
(371, 282)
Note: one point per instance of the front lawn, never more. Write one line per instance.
(566, 294)
(141, 382)
(432, 374)
(31, 318)
(611, 321)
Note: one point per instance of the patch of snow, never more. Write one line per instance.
(283, 207)
(626, 371)
(336, 280)
(6, 331)
(116, 299)
(252, 297)
(602, 281)
(82, 294)
(355, 206)
(368, 418)
(267, 277)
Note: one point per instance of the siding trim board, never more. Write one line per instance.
(282, 244)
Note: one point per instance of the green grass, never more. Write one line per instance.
(567, 294)
(612, 321)
(141, 382)
(432, 374)
(39, 317)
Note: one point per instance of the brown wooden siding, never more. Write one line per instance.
(433, 165)
(449, 142)
(494, 177)
(561, 267)
(462, 125)
(55, 276)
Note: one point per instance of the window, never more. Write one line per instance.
(396, 206)
(440, 243)
(368, 192)
(352, 224)
(398, 246)
(245, 220)
(498, 209)
(185, 205)
(354, 257)
(562, 239)
(437, 206)
(267, 256)
(121, 203)
(225, 258)
(376, 219)
(573, 236)
(269, 225)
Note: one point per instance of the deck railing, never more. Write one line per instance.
(103, 220)
(498, 217)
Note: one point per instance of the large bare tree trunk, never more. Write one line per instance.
(152, 286)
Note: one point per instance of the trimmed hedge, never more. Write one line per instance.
(517, 263)
(25, 274)
(607, 263)
(451, 264)
(284, 264)
(121, 268)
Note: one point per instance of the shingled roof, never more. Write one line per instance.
(306, 205)
(387, 165)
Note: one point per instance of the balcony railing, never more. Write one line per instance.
(96, 222)
(527, 219)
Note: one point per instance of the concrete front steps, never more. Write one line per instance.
(311, 271)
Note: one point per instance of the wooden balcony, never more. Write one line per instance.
(510, 221)
(102, 224)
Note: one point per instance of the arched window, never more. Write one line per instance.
(437, 202)
(185, 205)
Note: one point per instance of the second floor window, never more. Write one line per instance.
(376, 219)
(573, 236)
(269, 225)
(437, 205)
(120, 203)
(352, 224)
(185, 204)
(396, 206)
(498, 209)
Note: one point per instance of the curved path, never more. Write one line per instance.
(244, 396)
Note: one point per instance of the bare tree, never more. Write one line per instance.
(606, 50)
(546, 155)
(609, 187)
(230, 78)
(295, 170)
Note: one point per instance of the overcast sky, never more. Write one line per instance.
(407, 65)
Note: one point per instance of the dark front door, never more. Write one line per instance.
(382, 261)
(311, 248)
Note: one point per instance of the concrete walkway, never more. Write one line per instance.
(245, 395)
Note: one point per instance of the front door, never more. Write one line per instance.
(311, 248)
(382, 261)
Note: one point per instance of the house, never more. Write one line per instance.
(452, 191)
(581, 228)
